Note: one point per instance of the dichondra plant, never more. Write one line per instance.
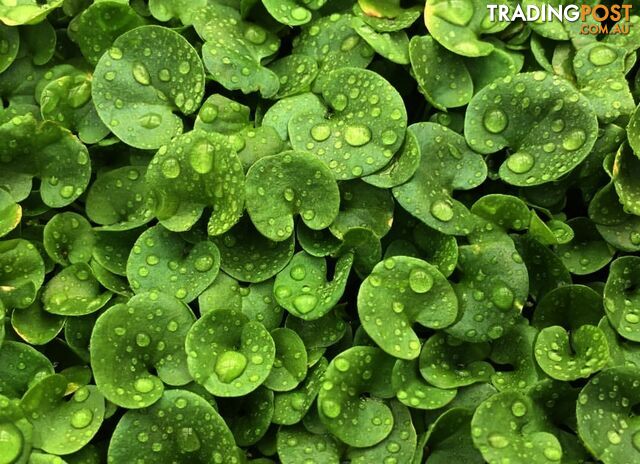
(317, 232)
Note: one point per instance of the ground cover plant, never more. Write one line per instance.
(326, 231)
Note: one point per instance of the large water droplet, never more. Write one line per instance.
(81, 418)
(170, 168)
(187, 440)
(574, 140)
(497, 440)
(442, 210)
(150, 120)
(520, 162)
(320, 132)
(202, 157)
(143, 385)
(305, 303)
(230, 365)
(204, 263)
(502, 297)
(331, 409)
(420, 280)
(357, 135)
(140, 74)
(11, 443)
(602, 55)
(456, 12)
(495, 121)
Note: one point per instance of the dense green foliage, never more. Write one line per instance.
(316, 232)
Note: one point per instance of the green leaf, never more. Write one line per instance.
(181, 424)
(46, 151)
(241, 351)
(604, 405)
(303, 288)
(459, 25)
(509, 425)
(360, 370)
(138, 347)
(436, 81)
(492, 304)
(398, 293)
(210, 167)
(139, 84)
(428, 194)
(446, 362)
(61, 426)
(364, 127)
(249, 256)
(549, 127)
(18, 12)
(234, 49)
(21, 274)
(68, 239)
(163, 261)
(278, 179)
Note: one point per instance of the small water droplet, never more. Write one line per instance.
(602, 55)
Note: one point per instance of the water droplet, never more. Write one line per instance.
(208, 113)
(115, 53)
(305, 303)
(300, 14)
(142, 340)
(11, 442)
(557, 125)
(495, 121)
(298, 272)
(613, 437)
(230, 365)
(497, 440)
(518, 408)
(184, 67)
(140, 74)
(339, 102)
(255, 35)
(143, 385)
(552, 454)
(420, 280)
(67, 191)
(342, 364)
(331, 409)
(575, 140)
(458, 13)
(442, 210)
(502, 297)
(150, 120)
(389, 137)
(187, 440)
(349, 43)
(602, 55)
(320, 132)
(201, 158)
(204, 263)
(171, 168)
(289, 194)
(520, 162)
(164, 75)
(81, 418)
(357, 135)
(632, 318)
